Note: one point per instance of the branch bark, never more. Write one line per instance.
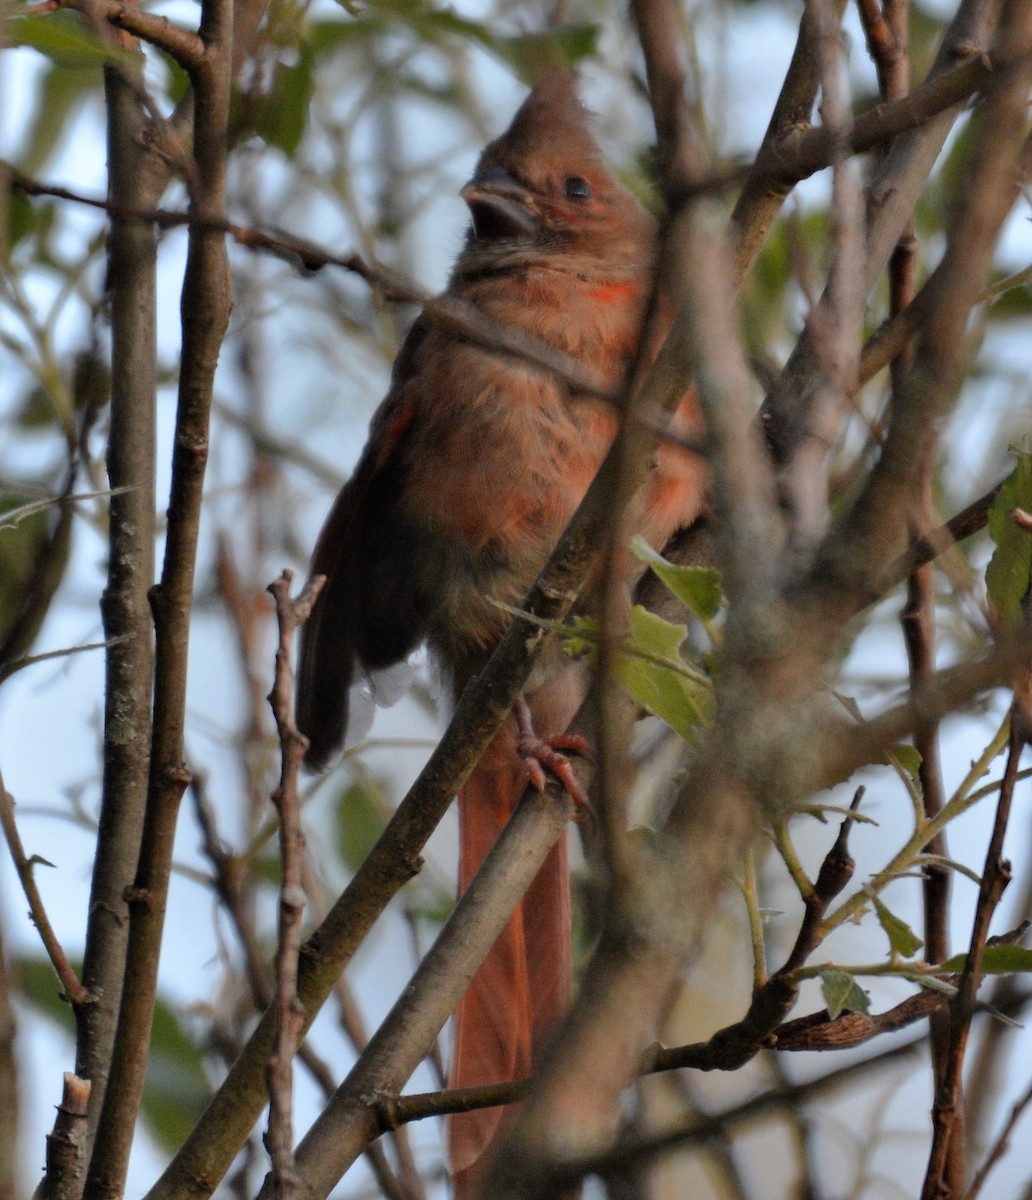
(131, 275)
(205, 313)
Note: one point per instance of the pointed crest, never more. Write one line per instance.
(551, 127)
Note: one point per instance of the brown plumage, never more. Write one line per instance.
(474, 465)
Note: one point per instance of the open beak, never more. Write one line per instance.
(500, 206)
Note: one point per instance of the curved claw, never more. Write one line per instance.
(546, 754)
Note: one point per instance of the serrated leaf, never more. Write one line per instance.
(655, 675)
(903, 940)
(996, 960)
(654, 636)
(698, 588)
(1008, 575)
(842, 994)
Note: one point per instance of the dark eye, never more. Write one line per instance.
(576, 188)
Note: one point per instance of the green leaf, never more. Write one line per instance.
(42, 989)
(842, 993)
(1010, 295)
(906, 758)
(996, 960)
(176, 1089)
(698, 588)
(21, 218)
(903, 940)
(562, 46)
(34, 548)
(934, 985)
(1008, 575)
(652, 671)
(360, 820)
(283, 114)
(585, 636)
(64, 38)
(178, 79)
(62, 91)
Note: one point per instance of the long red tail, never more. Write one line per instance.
(523, 987)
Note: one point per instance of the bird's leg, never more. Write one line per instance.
(547, 754)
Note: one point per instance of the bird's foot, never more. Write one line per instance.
(541, 754)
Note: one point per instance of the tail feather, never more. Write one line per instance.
(522, 989)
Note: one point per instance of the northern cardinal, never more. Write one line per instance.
(475, 463)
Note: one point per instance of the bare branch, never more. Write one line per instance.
(205, 315)
(947, 1111)
(67, 1144)
(409, 1031)
(24, 865)
(10, 1159)
(288, 1011)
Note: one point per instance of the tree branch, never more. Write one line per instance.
(180, 44)
(289, 1016)
(205, 313)
(129, 663)
(23, 865)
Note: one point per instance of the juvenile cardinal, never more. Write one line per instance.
(476, 461)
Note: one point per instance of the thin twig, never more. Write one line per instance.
(30, 660)
(23, 865)
(995, 877)
(1000, 1144)
(289, 1013)
(10, 1082)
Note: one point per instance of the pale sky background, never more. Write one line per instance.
(50, 714)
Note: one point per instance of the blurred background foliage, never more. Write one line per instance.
(354, 125)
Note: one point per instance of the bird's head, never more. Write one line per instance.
(543, 188)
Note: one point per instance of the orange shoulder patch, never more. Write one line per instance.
(615, 293)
